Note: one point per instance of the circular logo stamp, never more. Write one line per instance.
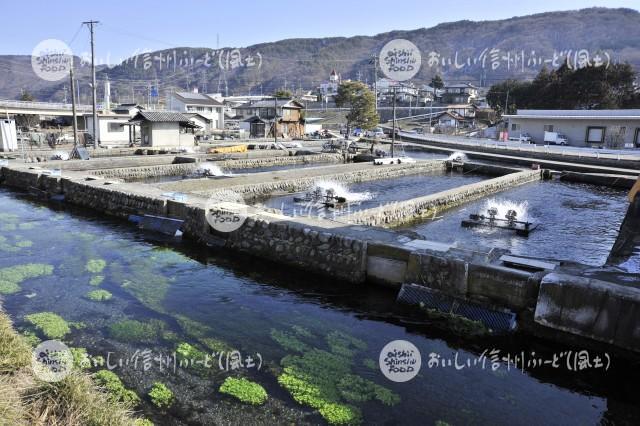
(226, 211)
(400, 59)
(51, 60)
(400, 361)
(51, 361)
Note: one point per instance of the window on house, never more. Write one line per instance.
(200, 109)
(515, 127)
(115, 127)
(595, 134)
(548, 127)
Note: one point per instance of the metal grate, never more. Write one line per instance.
(499, 321)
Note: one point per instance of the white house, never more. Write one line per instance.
(593, 128)
(330, 88)
(112, 129)
(203, 104)
(462, 93)
(165, 129)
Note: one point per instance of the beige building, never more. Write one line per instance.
(165, 129)
(586, 128)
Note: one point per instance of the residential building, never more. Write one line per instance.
(453, 120)
(462, 93)
(329, 88)
(112, 129)
(203, 104)
(593, 128)
(165, 129)
(287, 113)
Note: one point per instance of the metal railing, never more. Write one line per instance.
(4, 104)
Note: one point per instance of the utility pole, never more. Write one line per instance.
(433, 95)
(375, 81)
(90, 24)
(506, 103)
(275, 119)
(393, 135)
(73, 109)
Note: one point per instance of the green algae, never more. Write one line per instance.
(136, 331)
(161, 396)
(12, 276)
(323, 379)
(302, 332)
(116, 390)
(202, 333)
(99, 295)
(370, 364)
(24, 244)
(95, 266)
(457, 324)
(288, 341)
(53, 326)
(244, 390)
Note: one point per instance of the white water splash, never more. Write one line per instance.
(342, 191)
(208, 169)
(503, 206)
(457, 156)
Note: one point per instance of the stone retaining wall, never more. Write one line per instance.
(406, 211)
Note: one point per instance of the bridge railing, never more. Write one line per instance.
(41, 105)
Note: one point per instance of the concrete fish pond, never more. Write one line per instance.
(319, 345)
(294, 312)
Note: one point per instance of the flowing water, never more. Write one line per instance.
(577, 222)
(218, 302)
(366, 195)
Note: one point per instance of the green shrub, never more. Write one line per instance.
(161, 396)
(53, 326)
(245, 390)
(112, 383)
(99, 295)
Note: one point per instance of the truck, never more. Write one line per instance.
(555, 138)
(522, 138)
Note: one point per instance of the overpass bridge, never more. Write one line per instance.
(11, 107)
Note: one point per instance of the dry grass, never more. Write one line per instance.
(25, 400)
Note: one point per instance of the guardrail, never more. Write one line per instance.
(41, 105)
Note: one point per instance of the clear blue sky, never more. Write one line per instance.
(138, 25)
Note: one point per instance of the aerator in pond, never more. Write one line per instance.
(510, 222)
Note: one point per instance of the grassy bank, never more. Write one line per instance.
(24, 399)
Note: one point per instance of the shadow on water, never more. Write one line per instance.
(243, 297)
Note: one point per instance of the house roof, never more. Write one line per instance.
(163, 117)
(461, 86)
(197, 99)
(193, 114)
(255, 119)
(269, 103)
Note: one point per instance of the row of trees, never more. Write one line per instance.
(565, 88)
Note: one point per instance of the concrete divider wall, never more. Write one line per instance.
(252, 191)
(406, 211)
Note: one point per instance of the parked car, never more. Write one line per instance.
(555, 138)
(375, 133)
(522, 138)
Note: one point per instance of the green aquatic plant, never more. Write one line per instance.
(142, 422)
(188, 352)
(81, 359)
(53, 326)
(244, 390)
(95, 266)
(343, 344)
(354, 388)
(27, 225)
(31, 338)
(6, 247)
(340, 414)
(8, 227)
(24, 244)
(302, 332)
(161, 396)
(202, 333)
(8, 217)
(136, 331)
(288, 341)
(99, 295)
(96, 280)
(142, 283)
(457, 324)
(12, 276)
(113, 385)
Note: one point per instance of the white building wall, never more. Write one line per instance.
(574, 129)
